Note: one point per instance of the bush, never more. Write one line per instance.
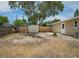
(44, 24)
(1, 30)
(77, 34)
(55, 34)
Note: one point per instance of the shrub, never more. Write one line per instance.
(55, 34)
(44, 24)
(1, 30)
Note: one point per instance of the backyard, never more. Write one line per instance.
(38, 45)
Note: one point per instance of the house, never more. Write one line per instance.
(69, 27)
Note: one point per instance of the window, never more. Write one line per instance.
(62, 26)
(76, 24)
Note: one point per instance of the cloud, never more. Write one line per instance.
(4, 7)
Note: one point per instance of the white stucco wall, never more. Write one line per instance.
(33, 28)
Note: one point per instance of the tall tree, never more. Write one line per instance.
(76, 13)
(3, 19)
(38, 10)
(27, 6)
(36, 18)
(51, 8)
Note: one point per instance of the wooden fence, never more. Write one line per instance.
(40, 29)
(5, 30)
(23, 29)
(45, 29)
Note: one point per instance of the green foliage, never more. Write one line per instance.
(35, 18)
(25, 21)
(51, 8)
(19, 22)
(51, 21)
(76, 13)
(56, 20)
(3, 19)
(47, 22)
(38, 11)
(27, 6)
(32, 20)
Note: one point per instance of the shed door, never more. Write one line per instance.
(62, 28)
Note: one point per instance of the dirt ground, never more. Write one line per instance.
(40, 45)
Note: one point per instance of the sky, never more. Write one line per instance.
(68, 12)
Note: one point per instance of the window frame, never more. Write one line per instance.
(63, 26)
(75, 24)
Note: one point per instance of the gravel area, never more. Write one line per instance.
(38, 45)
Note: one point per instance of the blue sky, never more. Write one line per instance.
(69, 9)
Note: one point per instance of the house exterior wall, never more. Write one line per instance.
(69, 27)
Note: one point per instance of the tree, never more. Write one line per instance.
(51, 21)
(25, 21)
(40, 17)
(19, 22)
(56, 20)
(3, 19)
(76, 13)
(38, 10)
(47, 22)
(27, 6)
(35, 18)
(51, 8)
(32, 20)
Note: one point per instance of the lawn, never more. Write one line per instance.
(38, 45)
